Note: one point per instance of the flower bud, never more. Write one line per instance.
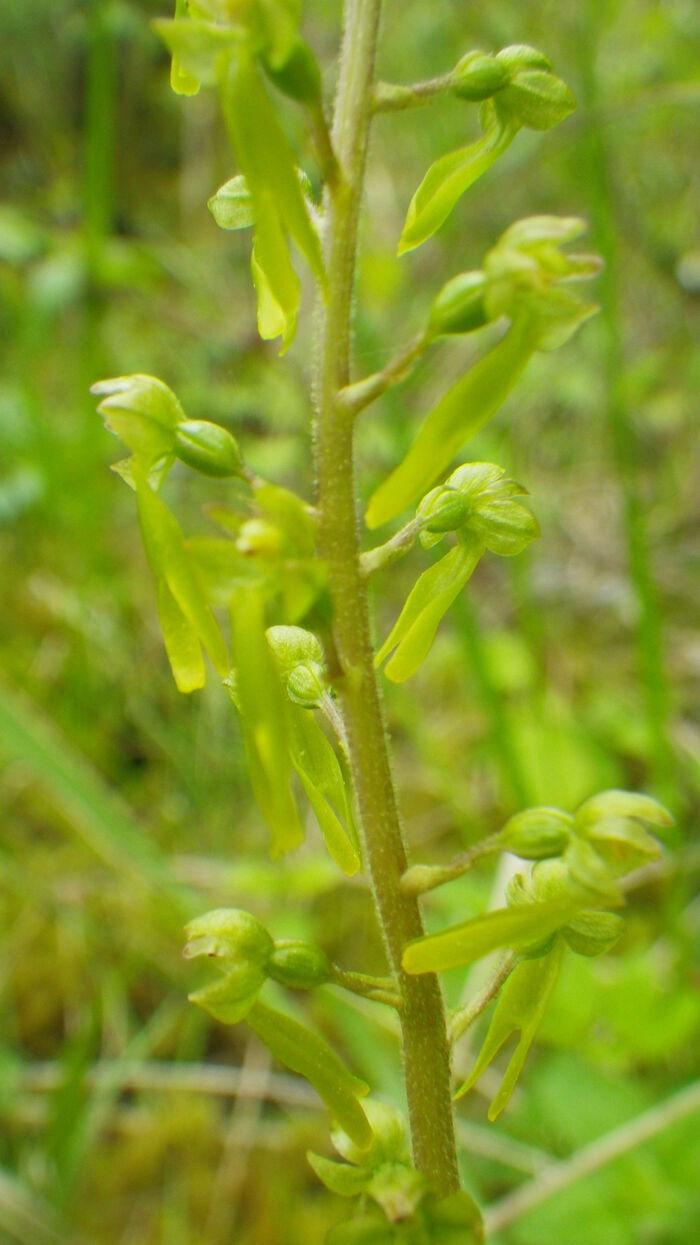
(593, 933)
(389, 1138)
(299, 965)
(550, 881)
(260, 538)
(229, 934)
(292, 646)
(299, 659)
(536, 99)
(536, 833)
(478, 76)
(518, 57)
(459, 307)
(306, 684)
(208, 448)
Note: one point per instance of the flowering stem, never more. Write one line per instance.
(422, 1016)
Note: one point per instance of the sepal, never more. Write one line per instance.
(520, 1009)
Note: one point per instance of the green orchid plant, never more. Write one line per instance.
(277, 601)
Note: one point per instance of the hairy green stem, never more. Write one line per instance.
(421, 878)
(362, 393)
(391, 551)
(389, 97)
(425, 1048)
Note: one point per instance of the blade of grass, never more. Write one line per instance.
(594, 165)
(604, 1150)
(101, 819)
(26, 1218)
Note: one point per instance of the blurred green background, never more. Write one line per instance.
(569, 669)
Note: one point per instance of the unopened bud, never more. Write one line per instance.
(536, 833)
(550, 881)
(537, 99)
(293, 645)
(592, 933)
(478, 76)
(300, 965)
(260, 538)
(518, 57)
(208, 448)
(459, 307)
(306, 684)
(389, 1137)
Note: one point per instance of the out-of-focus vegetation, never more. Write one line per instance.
(126, 1116)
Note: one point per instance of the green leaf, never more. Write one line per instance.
(232, 205)
(319, 770)
(261, 704)
(460, 414)
(506, 927)
(266, 161)
(427, 603)
(340, 1178)
(181, 643)
(447, 180)
(167, 555)
(304, 1052)
(520, 1009)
